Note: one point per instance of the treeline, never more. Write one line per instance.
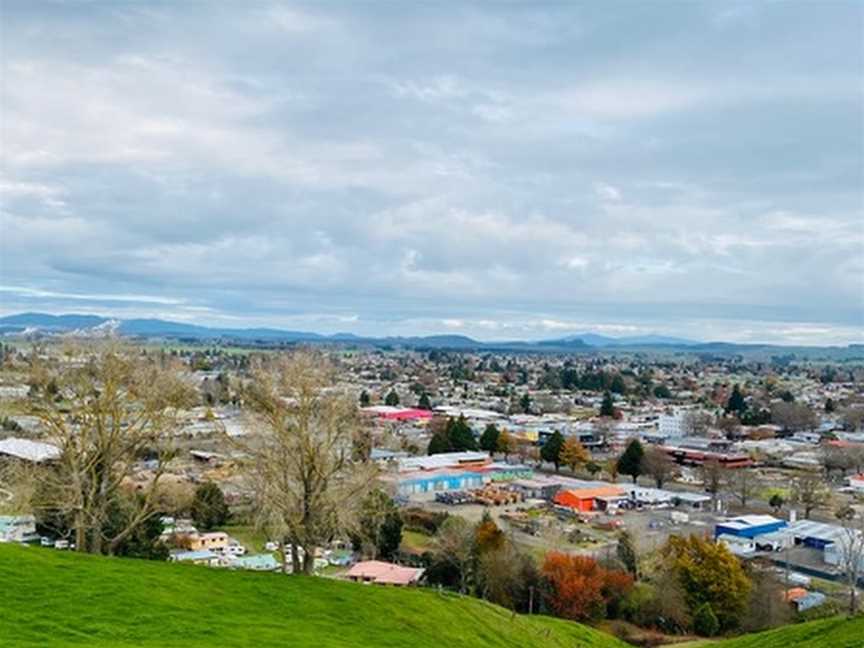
(570, 379)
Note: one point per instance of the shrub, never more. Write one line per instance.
(209, 509)
(416, 519)
(705, 622)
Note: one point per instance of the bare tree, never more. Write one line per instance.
(793, 416)
(855, 455)
(853, 417)
(656, 463)
(307, 479)
(743, 483)
(712, 472)
(603, 430)
(851, 551)
(696, 423)
(810, 491)
(108, 414)
(730, 425)
(454, 545)
(836, 458)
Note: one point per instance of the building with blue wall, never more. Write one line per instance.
(748, 526)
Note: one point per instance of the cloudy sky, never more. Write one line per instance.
(499, 170)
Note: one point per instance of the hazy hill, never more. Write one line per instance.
(41, 324)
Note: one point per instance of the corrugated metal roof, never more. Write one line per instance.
(29, 450)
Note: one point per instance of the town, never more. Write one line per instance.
(448, 324)
(499, 475)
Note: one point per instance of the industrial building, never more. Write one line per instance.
(748, 526)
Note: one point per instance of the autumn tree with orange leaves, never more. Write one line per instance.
(580, 589)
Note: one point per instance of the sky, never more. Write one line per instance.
(500, 170)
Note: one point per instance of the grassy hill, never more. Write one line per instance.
(51, 598)
(837, 632)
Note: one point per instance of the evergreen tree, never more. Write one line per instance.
(776, 502)
(736, 403)
(209, 509)
(489, 439)
(662, 391)
(392, 399)
(525, 403)
(439, 443)
(551, 450)
(461, 435)
(630, 461)
(830, 406)
(144, 542)
(607, 408)
(379, 526)
(424, 402)
(618, 386)
(626, 551)
(365, 399)
(705, 622)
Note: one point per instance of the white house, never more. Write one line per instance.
(856, 482)
(17, 528)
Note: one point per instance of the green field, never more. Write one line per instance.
(838, 632)
(51, 598)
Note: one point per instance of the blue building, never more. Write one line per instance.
(748, 526)
(436, 482)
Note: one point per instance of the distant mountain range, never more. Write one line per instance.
(93, 326)
(595, 340)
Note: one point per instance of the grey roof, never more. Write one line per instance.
(817, 530)
(29, 450)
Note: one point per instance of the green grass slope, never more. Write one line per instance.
(837, 632)
(51, 598)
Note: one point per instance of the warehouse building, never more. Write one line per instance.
(748, 526)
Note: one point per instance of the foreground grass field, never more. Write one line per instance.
(838, 632)
(50, 598)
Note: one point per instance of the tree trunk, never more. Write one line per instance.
(295, 559)
(80, 535)
(308, 560)
(96, 544)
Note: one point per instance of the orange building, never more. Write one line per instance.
(584, 499)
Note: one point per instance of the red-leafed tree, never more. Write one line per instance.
(578, 588)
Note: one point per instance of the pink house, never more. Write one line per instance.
(383, 573)
(388, 413)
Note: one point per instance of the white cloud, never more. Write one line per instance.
(501, 167)
(144, 299)
(607, 192)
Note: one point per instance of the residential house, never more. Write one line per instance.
(384, 573)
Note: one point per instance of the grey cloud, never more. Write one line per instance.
(499, 170)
